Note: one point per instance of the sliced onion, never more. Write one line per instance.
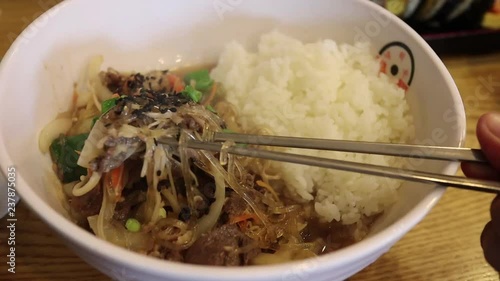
(91, 150)
(105, 217)
(208, 221)
(85, 88)
(52, 131)
(101, 91)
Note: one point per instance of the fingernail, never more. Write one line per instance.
(493, 123)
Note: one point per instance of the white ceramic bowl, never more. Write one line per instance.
(38, 72)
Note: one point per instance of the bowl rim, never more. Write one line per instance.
(378, 243)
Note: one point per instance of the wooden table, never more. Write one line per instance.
(444, 246)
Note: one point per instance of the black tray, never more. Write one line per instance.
(475, 41)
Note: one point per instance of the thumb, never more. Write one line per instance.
(488, 135)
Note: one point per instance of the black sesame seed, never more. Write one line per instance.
(160, 81)
(173, 109)
(158, 173)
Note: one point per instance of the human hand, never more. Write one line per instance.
(488, 134)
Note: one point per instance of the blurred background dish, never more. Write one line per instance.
(449, 26)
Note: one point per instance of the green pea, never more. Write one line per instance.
(133, 225)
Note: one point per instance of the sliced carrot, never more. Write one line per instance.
(244, 218)
(243, 225)
(114, 180)
(117, 177)
(176, 82)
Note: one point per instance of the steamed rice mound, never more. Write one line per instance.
(320, 90)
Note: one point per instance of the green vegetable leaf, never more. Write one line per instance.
(94, 120)
(211, 108)
(108, 104)
(192, 93)
(201, 78)
(63, 151)
(229, 131)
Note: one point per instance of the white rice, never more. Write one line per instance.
(320, 90)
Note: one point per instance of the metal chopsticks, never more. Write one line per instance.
(391, 172)
(404, 150)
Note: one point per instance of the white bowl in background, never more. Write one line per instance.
(38, 72)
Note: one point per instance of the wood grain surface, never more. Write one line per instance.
(444, 246)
